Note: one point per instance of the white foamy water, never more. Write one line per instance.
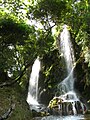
(32, 97)
(67, 50)
(66, 87)
(70, 117)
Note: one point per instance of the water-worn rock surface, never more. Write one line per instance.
(65, 106)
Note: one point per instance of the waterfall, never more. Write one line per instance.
(67, 50)
(67, 102)
(32, 98)
(66, 87)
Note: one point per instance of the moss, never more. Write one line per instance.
(9, 95)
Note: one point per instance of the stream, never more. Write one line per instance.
(70, 117)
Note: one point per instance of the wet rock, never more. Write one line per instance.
(87, 112)
(60, 106)
(39, 111)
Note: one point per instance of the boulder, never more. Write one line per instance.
(60, 106)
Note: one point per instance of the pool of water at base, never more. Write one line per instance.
(70, 117)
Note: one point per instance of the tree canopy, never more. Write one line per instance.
(30, 28)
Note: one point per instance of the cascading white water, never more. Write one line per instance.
(68, 54)
(32, 98)
(67, 49)
(66, 87)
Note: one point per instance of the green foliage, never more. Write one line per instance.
(20, 43)
(52, 8)
(16, 7)
(16, 40)
(52, 70)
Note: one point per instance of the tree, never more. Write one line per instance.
(15, 38)
(20, 44)
(38, 39)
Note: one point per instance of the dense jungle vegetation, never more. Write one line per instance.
(31, 28)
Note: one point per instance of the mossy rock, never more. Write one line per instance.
(9, 95)
(60, 106)
(55, 102)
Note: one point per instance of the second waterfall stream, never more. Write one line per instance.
(32, 97)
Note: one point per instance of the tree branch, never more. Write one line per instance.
(48, 31)
(18, 78)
